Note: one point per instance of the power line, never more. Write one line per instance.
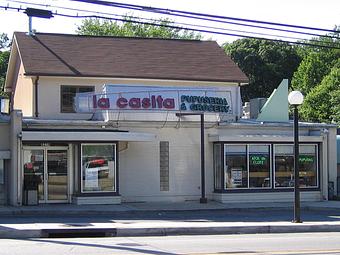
(170, 11)
(199, 30)
(176, 23)
(149, 9)
(183, 28)
(205, 19)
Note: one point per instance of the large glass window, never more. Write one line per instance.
(236, 170)
(308, 165)
(284, 165)
(98, 167)
(264, 166)
(259, 166)
(67, 95)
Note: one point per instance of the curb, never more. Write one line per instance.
(170, 231)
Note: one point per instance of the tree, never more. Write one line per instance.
(157, 29)
(322, 103)
(265, 63)
(317, 62)
(318, 79)
(4, 57)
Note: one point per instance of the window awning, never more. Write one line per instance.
(261, 138)
(86, 136)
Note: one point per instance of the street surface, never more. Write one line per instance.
(277, 244)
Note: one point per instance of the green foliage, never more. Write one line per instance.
(129, 29)
(316, 63)
(265, 63)
(322, 103)
(4, 57)
(4, 41)
(318, 78)
(310, 73)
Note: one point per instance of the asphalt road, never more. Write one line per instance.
(302, 243)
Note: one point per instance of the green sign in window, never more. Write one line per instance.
(306, 159)
(258, 160)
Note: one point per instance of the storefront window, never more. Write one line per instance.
(259, 166)
(217, 166)
(284, 166)
(98, 167)
(256, 166)
(236, 171)
(308, 165)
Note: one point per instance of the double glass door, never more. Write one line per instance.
(49, 167)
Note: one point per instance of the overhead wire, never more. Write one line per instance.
(201, 30)
(186, 28)
(186, 16)
(171, 11)
(177, 23)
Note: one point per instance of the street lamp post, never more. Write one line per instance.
(295, 98)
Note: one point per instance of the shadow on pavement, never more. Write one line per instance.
(122, 247)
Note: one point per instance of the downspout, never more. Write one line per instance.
(36, 82)
(20, 186)
(238, 103)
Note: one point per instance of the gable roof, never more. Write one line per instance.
(124, 57)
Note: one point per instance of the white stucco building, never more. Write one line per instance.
(95, 120)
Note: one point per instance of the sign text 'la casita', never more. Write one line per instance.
(161, 102)
(154, 102)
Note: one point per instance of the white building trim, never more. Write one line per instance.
(86, 136)
(261, 138)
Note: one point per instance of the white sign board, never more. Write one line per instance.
(153, 98)
(91, 177)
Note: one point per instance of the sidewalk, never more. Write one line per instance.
(147, 219)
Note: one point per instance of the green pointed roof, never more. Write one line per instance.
(276, 107)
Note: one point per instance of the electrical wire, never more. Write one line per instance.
(175, 23)
(171, 11)
(205, 19)
(182, 28)
(200, 30)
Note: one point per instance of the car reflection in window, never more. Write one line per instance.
(99, 165)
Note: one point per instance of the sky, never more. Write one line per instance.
(311, 13)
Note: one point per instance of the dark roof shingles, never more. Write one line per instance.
(90, 56)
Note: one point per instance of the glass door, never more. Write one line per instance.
(56, 174)
(34, 164)
(50, 164)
